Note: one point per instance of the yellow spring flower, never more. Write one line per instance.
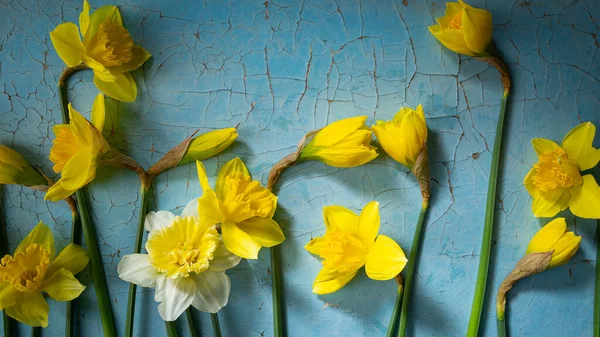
(107, 49)
(209, 144)
(404, 137)
(555, 181)
(555, 237)
(186, 263)
(14, 169)
(33, 270)
(76, 151)
(464, 29)
(351, 242)
(344, 143)
(242, 206)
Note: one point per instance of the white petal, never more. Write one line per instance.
(157, 220)
(191, 209)
(177, 295)
(212, 291)
(136, 269)
(159, 294)
(223, 259)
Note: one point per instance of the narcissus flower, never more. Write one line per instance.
(14, 169)
(107, 49)
(186, 263)
(209, 144)
(242, 206)
(345, 143)
(405, 136)
(555, 181)
(351, 242)
(33, 270)
(76, 151)
(464, 29)
(554, 237)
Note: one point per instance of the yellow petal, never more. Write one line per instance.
(548, 204)
(585, 198)
(451, 38)
(452, 9)
(122, 89)
(100, 71)
(72, 258)
(99, 112)
(239, 242)
(8, 295)
(547, 236)
(528, 182)
(84, 18)
(41, 235)
(57, 192)
(62, 286)
(209, 144)
(385, 260)
(368, 223)
(315, 245)
(66, 41)
(329, 281)
(340, 218)
(389, 137)
(79, 171)
(209, 209)
(14, 169)
(140, 55)
(542, 145)
(266, 232)
(101, 15)
(342, 157)
(202, 176)
(477, 28)
(565, 249)
(578, 144)
(337, 131)
(31, 309)
(80, 127)
(234, 167)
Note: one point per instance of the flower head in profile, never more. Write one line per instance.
(76, 151)
(14, 169)
(464, 29)
(242, 207)
(107, 48)
(555, 182)
(555, 238)
(209, 144)
(344, 143)
(351, 242)
(186, 263)
(34, 269)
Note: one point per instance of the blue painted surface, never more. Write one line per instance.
(281, 69)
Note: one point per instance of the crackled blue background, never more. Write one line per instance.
(282, 68)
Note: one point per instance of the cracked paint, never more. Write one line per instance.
(278, 69)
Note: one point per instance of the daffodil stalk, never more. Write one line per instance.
(397, 307)
(9, 323)
(597, 284)
(214, 318)
(189, 313)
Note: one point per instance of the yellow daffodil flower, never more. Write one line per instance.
(404, 137)
(464, 29)
(186, 263)
(344, 143)
(33, 270)
(107, 49)
(242, 206)
(555, 181)
(14, 169)
(351, 242)
(76, 151)
(209, 144)
(554, 237)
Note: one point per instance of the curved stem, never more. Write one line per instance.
(276, 291)
(76, 239)
(410, 269)
(597, 285)
(36, 331)
(486, 240)
(189, 313)
(171, 329)
(397, 306)
(145, 186)
(214, 318)
(501, 327)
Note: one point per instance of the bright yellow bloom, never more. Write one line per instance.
(464, 29)
(555, 182)
(107, 49)
(14, 169)
(33, 269)
(344, 143)
(209, 144)
(76, 151)
(404, 137)
(350, 242)
(242, 206)
(555, 237)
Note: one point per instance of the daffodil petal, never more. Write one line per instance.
(72, 258)
(8, 295)
(547, 236)
(99, 112)
(543, 145)
(66, 41)
(528, 182)
(578, 144)
(158, 220)
(548, 204)
(79, 171)
(389, 138)
(84, 18)
(223, 259)
(212, 291)
(368, 223)
(136, 269)
(202, 177)
(477, 28)
(315, 246)
(452, 39)
(80, 127)
(210, 208)
(177, 295)
(41, 235)
(123, 89)
(344, 157)
(585, 198)
(140, 55)
(100, 71)
(31, 309)
(103, 14)
(209, 144)
(239, 242)
(340, 218)
(233, 167)
(385, 260)
(191, 209)
(328, 282)
(264, 231)
(57, 192)
(565, 249)
(62, 286)
(338, 131)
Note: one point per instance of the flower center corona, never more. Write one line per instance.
(183, 248)
(456, 21)
(245, 198)
(342, 251)
(26, 270)
(555, 170)
(111, 46)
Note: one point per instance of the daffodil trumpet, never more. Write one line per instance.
(552, 246)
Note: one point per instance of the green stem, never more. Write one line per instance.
(501, 327)
(410, 270)
(136, 250)
(276, 291)
(214, 318)
(597, 286)
(189, 313)
(171, 329)
(394, 317)
(75, 239)
(9, 323)
(36, 331)
(488, 227)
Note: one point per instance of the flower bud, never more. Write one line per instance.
(554, 237)
(14, 169)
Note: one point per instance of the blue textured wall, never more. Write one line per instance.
(283, 68)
